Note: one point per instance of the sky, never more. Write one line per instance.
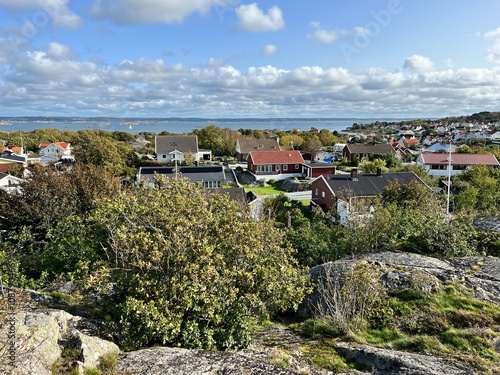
(237, 58)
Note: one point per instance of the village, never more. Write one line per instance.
(327, 172)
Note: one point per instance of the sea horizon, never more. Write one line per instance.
(180, 125)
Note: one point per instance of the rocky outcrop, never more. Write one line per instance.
(43, 334)
(393, 362)
(408, 270)
(176, 361)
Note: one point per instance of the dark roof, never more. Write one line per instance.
(165, 144)
(318, 164)
(247, 145)
(235, 193)
(12, 157)
(370, 148)
(195, 174)
(367, 184)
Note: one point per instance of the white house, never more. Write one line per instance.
(9, 183)
(56, 149)
(437, 165)
(169, 149)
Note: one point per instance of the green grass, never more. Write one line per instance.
(268, 190)
(447, 323)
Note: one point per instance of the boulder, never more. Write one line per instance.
(177, 361)
(394, 362)
(43, 334)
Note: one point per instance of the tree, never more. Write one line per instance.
(190, 269)
(46, 199)
(327, 138)
(215, 139)
(312, 146)
(104, 151)
(294, 140)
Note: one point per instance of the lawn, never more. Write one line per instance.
(268, 190)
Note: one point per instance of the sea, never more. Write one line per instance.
(180, 126)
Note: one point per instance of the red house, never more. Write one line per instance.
(276, 165)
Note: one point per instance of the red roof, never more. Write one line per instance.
(412, 140)
(15, 149)
(61, 145)
(460, 159)
(276, 157)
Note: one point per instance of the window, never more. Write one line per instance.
(285, 167)
(316, 192)
(164, 156)
(264, 168)
(437, 166)
(297, 166)
(278, 167)
(212, 184)
(459, 167)
(322, 194)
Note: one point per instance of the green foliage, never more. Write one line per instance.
(323, 355)
(51, 211)
(192, 271)
(479, 190)
(371, 166)
(447, 323)
(219, 141)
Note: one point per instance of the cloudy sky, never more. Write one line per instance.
(238, 58)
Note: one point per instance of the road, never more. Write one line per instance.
(298, 196)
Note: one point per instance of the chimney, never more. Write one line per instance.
(379, 171)
(354, 174)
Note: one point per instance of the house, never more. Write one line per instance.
(8, 159)
(276, 165)
(409, 142)
(244, 146)
(347, 193)
(18, 150)
(210, 177)
(247, 200)
(437, 165)
(368, 150)
(9, 183)
(440, 147)
(180, 148)
(55, 149)
(313, 169)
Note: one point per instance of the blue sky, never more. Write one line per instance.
(236, 58)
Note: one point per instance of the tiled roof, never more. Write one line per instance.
(16, 149)
(247, 145)
(165, 144)
(367, 184)
(460, 159)
(61, 145)
(276, 157)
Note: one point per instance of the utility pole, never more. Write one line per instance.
(449, 182)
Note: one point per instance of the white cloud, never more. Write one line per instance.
(253, 19)
(361, 31)
(418, 63)
(322, 34)
(269, 50)
(132, 12)
(57, 11)
(493, 55)
(59, 52)
(53, 79)
(494, 34)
